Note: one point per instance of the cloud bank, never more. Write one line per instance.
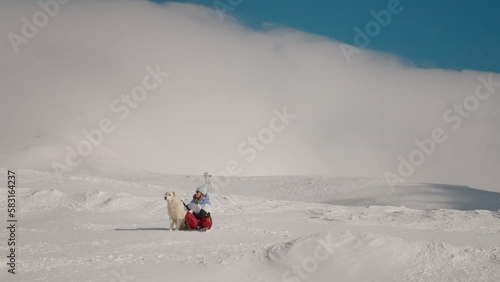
(352, 119)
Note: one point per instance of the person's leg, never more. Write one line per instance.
(206, 223)
(192, 221)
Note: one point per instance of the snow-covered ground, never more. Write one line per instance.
(297, 228)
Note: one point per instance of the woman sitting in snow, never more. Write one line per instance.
(198, 217)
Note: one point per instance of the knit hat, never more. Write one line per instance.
(203, 189)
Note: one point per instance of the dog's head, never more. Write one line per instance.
(169, 196)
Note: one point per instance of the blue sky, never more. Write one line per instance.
(448, 34)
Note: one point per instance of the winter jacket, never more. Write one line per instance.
(200, 209)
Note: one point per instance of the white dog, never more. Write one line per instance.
(176, 211)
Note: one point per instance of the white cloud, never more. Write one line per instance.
(352, 119)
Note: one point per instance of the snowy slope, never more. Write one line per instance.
(363, 191)
(91, 228)
(423, 196)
